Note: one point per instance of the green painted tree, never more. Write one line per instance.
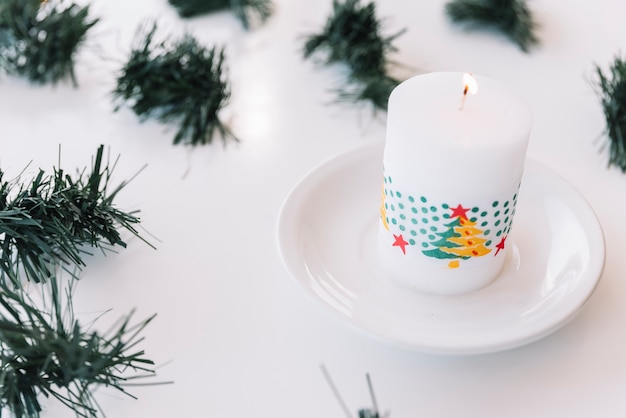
(444, 241)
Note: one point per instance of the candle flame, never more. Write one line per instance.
(469, 86)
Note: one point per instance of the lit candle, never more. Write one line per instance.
(450, 182)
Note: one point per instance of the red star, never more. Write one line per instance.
(500, 246)
(459, 211)
(400, 242)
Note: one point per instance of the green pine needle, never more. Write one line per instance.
(511, 17)
(46, 223)
(183, 84)
(45, 352)
(613, 96)
(352, 35)
(39, 41)
(245, 10)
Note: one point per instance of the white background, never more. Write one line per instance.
(233, 331)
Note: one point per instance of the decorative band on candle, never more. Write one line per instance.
(450, 232)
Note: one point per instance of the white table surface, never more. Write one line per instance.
(233, 330)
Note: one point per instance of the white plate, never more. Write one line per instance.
(327, 232)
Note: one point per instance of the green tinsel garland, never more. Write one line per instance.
(39, 41)
(368, 413)
(613, 98)
(362, 413)
(46, 223)
(243, 9)
(45, 352)
(183, 83)
(352, 35)
(511, 17)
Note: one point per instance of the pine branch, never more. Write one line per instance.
(39, 40)
(352, 36)
(183, 84)
(375, 89)
(45, 352)
(612, 93)
(362, 413)
(511, 17)
(45, 224)
(245, 10)
(368, 413)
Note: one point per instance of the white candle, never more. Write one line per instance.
(451, 177)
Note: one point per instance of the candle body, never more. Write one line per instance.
(450, 182)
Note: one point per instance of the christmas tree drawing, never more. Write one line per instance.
(461, 240)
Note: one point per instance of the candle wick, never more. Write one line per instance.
(465, 90)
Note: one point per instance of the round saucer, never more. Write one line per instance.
(327, 239)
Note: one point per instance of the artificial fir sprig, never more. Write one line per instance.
(613, 97)
(352, 35)
(47, 222)
(46, 352)
(362, 413)
(245, 10)
(183, 83)
(39, 39)
(375, 89)
(511, 17)
(368, 413)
